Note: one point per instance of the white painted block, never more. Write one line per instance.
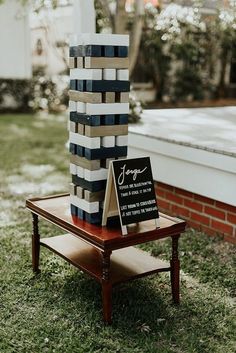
(95, 175)
(89, 142)
(72, 106)
(108, 141)
(107, 108)
(73, 169)
(90, 207)
(109, 74)
(73, 40)
(85, 74)
(122, 75)
(81, 107)
(122, 140)
(80, 172)
(103, 39)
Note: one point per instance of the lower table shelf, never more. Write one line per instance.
(126, 264)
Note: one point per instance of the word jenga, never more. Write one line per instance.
(98, 123)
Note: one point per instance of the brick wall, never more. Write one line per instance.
(210, 216)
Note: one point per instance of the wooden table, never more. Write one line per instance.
(103, 252)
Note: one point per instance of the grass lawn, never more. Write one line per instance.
(59, 310)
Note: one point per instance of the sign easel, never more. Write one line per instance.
(130, 193)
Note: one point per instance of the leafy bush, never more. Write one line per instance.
(15, 95)
(41, 92)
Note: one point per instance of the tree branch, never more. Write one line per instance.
(121, 17)
(136, 33)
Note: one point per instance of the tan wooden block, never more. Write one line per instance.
(106, 63)
(85, 163)
(81, 129)
(94, 196)
(80, 192)
(79, 62)
(72, 188)
(106, 130)
(109, 97)
(85, 97)
(72, 63)
(122, 97)
(73, 126)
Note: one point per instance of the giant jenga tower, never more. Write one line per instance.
(98, 124)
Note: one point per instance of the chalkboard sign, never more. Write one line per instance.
(134, 191)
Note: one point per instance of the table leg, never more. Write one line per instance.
(175, 268)
(106, 287)
(35, 243)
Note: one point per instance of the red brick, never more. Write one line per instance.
(164, 205)
(226, 207)
(183, 193)
(165, 186)
(230, 239)
(221, 227)
(215, 212)
(160, 192)
(193, 205)
(204, 199)
(231, 218)
(194, 225)
(208, 231)
(200, 218)
(174, 198)
(180, 211)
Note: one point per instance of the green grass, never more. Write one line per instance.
(59, 310)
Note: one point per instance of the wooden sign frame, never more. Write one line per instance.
(111, 202)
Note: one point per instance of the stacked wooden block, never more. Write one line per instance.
(98, 124)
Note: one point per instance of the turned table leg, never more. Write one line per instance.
(106, 287)
(35, 243)
(175, 268)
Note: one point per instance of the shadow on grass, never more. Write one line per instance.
(142, 312)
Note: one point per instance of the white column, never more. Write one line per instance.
(84, 16)
(15, 58)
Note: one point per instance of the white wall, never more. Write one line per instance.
(15, 56)
(202, 172)
(84, 16)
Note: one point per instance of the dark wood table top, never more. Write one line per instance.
(56, 209)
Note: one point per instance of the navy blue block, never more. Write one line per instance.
(122, 119)
(92, 186)
(73, 84)
(73, 148)
(73, 117)
(104, 152)
(73, 210)
(121, 51)
(92, 120)
(108, 119)
(109, 51)
(81, 213)
(107, 86)
(80, 151)
(77, 50)
(73, 51)
(93, 218)
(81, 85)
(93, 50)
